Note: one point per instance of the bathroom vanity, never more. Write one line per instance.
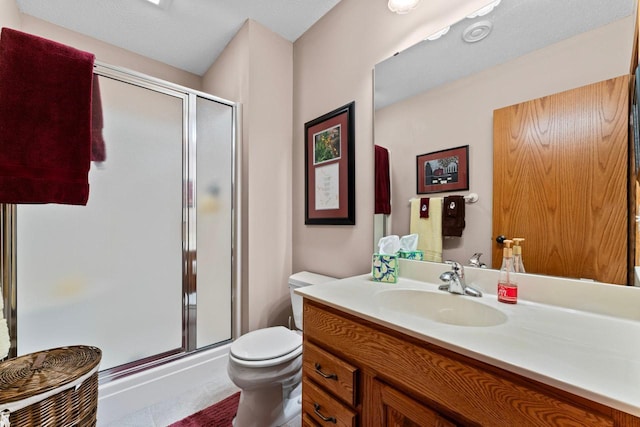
(383, 354)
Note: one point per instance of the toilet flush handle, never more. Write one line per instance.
(327, 376)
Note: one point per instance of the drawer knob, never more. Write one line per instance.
(316, 409)
(327, 376)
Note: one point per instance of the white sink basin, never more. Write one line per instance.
(441, 307)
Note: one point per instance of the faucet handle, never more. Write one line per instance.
(474, 261)
(455, 266)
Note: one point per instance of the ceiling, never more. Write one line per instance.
(519, 27)
(188, 34)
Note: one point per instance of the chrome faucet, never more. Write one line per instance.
(455, 281)
(474, 261)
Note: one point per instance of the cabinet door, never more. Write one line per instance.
(399, 410)
(560, 181)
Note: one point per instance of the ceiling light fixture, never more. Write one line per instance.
(484, 10)
(163, 4)
(438, 34)
(402, 6)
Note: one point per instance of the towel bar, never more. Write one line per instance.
(469, 198)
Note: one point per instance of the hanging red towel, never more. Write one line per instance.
(98, 150)
(453, 221)
(45, 120)
(382, 181)
(424, 207)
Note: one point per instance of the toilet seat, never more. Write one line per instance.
(266, 347)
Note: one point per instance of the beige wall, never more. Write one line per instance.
(461, 113)
(10, 14)
(110, 54)
(256, 69)
(333, 64)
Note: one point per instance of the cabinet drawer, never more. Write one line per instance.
(320, 407)
(332, 373)
(307, 421)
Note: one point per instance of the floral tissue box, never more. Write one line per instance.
(417, 255)
(385, 268)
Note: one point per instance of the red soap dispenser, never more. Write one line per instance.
(507, 283)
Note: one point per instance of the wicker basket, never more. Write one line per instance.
(52, 388)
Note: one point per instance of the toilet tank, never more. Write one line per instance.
(298, 280)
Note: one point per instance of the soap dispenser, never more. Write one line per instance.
(507, 283)
(518, 265)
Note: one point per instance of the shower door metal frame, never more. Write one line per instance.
(8, 229)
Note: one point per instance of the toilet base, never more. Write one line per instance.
(260, 410)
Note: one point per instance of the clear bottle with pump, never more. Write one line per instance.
(507, 283)
(518, 265)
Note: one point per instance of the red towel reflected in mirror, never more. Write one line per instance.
(382, 181)
(98, 150)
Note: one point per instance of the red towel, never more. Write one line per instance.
(424, 207)
(98, 151)
(453, 222)
(382, 181)
(45, 120)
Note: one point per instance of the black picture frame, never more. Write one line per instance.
(443, 171)
(329, 168)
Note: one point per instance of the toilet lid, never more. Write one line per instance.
(267, 343)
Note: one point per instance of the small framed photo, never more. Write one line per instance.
(330, 168)
(443, 171)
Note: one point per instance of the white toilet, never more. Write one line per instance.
(266, 364)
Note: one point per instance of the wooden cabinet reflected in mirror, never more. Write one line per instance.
(560, 181)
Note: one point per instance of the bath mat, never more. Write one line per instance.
(217, 415)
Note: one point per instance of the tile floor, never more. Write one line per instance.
(165, 413)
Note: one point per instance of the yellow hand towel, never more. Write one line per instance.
(5, 342)
(429, 230)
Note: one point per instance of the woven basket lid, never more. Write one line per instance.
(36, 373)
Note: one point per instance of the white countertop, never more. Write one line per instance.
(595, 356)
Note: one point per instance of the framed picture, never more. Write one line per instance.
(444, 170)
(329, 152)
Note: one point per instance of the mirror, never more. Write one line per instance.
(441, 94)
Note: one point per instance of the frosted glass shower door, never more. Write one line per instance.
(214, 172)
(110, 274)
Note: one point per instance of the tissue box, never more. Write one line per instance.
(417, 255)
(385, 268)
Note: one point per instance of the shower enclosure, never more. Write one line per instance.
(147, 270)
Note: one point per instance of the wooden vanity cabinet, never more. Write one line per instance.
(358, 373)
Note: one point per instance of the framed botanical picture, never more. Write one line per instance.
(330, 168)
(443, 171)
